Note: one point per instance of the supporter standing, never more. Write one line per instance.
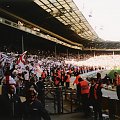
(57, 80)
(95, 98)
(1, 72)
(10, 105)
(107, 80)
(41, 91)
(62, 77)
(67, 80)
(32, 108)
(117, 83)
(58, 93)
(26, 75)
(32, 82)
(99, 80)
(84, 91)
(43, 75)
(77, 85)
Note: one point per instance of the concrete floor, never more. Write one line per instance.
(71, 116)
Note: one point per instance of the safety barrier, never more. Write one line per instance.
(111, 107)
(65, 101)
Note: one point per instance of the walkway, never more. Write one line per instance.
(72, 116)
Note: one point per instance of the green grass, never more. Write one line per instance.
(111, 73)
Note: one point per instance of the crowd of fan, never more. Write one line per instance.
(24, 74)
(9, 66)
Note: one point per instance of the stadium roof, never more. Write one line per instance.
(61, 17)
(67, 12)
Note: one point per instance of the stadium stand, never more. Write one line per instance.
(34, 40)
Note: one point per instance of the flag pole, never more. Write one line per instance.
(22, 44)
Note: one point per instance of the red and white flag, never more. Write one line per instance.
(21, 60)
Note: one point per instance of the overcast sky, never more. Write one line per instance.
(103, 16)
